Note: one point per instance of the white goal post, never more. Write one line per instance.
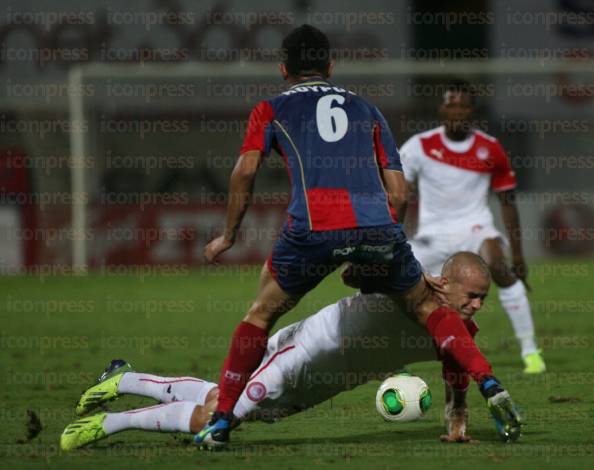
(81, 74)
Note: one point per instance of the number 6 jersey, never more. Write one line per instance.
(335, 145)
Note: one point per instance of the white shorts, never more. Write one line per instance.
(432, 250)
(344, 345)
(275, 390)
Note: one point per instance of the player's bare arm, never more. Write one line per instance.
(412, 194)
(511, 220)
(395, 185)
(241, 185)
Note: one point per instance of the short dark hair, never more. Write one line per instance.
(306, 50)
(459, 85)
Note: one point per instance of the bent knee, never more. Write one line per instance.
(501, 273)
(260, 313)
(258, 309)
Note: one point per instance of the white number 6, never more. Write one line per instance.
(332, 122)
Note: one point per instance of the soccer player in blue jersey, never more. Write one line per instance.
(342, 212)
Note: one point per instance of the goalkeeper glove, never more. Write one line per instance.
(504, 411)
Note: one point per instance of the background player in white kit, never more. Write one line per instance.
(346, 344)
(452, 168)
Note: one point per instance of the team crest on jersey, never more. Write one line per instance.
(437, 153)
(256, 391)
(482, 153)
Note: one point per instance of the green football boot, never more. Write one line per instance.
(534, 363)
(106, 389)
(83, 431)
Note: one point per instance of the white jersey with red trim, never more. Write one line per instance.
(346, 344)
(360, 338)
(454, 178)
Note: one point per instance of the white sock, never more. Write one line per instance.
(165, 417)
(516, 305)
(166, 389)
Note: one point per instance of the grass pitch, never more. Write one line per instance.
(59, 332)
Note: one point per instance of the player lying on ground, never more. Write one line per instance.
(347, 187)
(360, 338)
(453, 167)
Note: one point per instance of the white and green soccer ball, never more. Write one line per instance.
(403, 398)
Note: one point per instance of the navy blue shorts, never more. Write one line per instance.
(381, 257)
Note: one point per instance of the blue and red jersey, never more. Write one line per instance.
(335, 145)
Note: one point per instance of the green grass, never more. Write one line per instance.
(59, 332)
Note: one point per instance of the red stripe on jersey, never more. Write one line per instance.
(271, 269)
(504, 178)
(393, 214)
(274, 356)
(484, 156)
(380, 152)
(434, 148)
(255, 137)
(330, 209)
(382, 159)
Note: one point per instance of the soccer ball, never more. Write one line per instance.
(403, 398)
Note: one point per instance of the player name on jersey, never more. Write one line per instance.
(335, 145)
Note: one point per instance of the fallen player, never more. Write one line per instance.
(346, 344)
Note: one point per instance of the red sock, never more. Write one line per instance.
(452, 338)
(248, 345)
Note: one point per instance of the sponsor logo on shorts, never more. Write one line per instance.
(256, 391)
(377, 248)
(347, 250)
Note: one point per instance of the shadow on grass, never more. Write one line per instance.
(411, 437)
(376, 437)
(427, 435)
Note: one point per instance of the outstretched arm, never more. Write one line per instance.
(241, 186)
(462, 359)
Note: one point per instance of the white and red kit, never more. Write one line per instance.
(346, 344)
(454, 179)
